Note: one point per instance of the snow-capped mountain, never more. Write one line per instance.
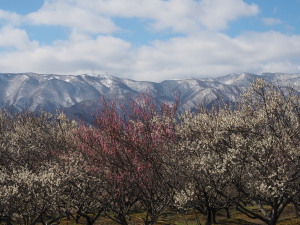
(81, 93)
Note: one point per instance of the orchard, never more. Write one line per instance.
(147, 158)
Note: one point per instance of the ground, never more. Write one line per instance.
(172, 217)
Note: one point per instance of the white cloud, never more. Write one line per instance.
(182, 15)
(205, 54)
(268, 21)
(186, 16)
(71, 57)
(70, 14)
(10, 17)
(204, 51)
(212, 54)
(209, 53)
(216, 14)
(16, 39)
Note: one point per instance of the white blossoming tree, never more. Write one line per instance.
(203, 147)
(264, 155)
(82, 194)
(30, 181)
(250, 153)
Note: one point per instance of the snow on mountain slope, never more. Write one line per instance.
(244, 79)
(74, 93)
(240, 80)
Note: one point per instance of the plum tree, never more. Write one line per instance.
(203, 146)
(127, 147)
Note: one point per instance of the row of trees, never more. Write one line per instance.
(246, 156)
(147, 158)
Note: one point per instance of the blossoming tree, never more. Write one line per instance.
(127, 147)
(264, 156)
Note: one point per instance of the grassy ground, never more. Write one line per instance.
(191, 218)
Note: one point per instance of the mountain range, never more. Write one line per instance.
(80, 94)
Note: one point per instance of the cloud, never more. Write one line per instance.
(202, 55)
(210, 54)
(216, 14)
(73, 15)
(10, 17)
(92, 44)
(268, 21)
(80, 55)
(186, 16)
(191, 16)
(15, 39)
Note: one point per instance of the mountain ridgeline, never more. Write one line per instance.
(79, 95)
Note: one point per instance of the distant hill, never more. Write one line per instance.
(80, 94)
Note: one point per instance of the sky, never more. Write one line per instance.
(151, 40)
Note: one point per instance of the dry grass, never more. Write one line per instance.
(190, 218)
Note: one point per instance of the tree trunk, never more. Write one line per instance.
(274, 218)
(8, 221)
(148, 222)
(122, 220)
(209, 217)
(266, 219)
(228, 213)
(214, 216)
(297, 209)
(77, 218)
(89, 221)
(273, 221)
